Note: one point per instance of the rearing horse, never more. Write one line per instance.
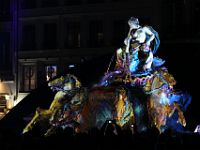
(161, 106)
(68, 91)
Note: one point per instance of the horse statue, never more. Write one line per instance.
(81, 108)
(146, 101)
(68, 92)
(164, 102)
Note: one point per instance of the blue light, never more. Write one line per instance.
(71, 66)
(163, 99)
(138, 109)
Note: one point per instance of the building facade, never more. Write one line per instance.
(55, 34)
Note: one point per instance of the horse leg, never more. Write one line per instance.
(39, 114)
(31, 123)
(181, 118)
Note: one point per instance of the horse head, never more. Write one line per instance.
(65, 83)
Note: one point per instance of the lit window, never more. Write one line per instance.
(51, 71)
(28, 80)
(71, 66)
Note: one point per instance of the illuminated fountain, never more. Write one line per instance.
(138, 91)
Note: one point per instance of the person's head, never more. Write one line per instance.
(133, 23)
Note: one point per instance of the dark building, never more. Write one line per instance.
(8, 59)
(6, 50)
(56, 34)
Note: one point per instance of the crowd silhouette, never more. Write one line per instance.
(110, 136)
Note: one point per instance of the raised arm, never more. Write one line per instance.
(150, 34)
(128, 38)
